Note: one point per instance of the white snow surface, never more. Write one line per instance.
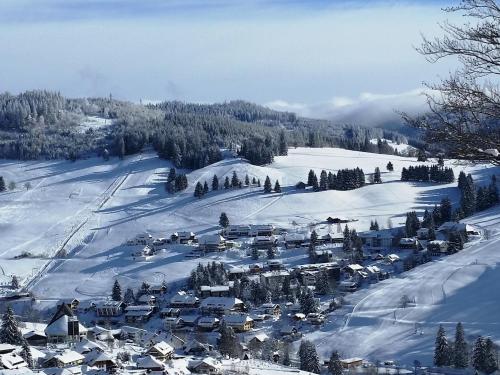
(93, 207)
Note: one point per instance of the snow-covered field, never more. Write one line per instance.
(94, 123)
(92, 207)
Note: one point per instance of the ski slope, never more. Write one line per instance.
(90, 208)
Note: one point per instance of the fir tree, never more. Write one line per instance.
(307, 302)
(314, 237)
(227, 184)
(2, 184)
(235, 181)
(198, 190)
(315, 184)
(116, 294)
(421, 156)
(335, 366)
(376, 176)
(277, 187)
(14, 282)
(309, 360)
(128, 297)
(460, 355)
(215, 183)
(9, 331)
(228, 344)
(478, 359)
(267, 185)
(347, 245)
(247, 180)
(26, 354)
(390, 167)
(322, 284)
(374, 225)
(490, 363)
(205, 188)
(310, 177)
(445, 209)
(323, 180)
(254, 181)
(258, 183)
(223, 220)
(442, 349)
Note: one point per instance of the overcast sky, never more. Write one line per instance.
(309, 56)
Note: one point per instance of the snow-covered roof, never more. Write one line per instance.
(355, 267)
(11, 361)
(69, 356)
(60, 327)
(7, 348)
(207, 321)
(237, 319)
(376, 234)
(183, 298)
(148, 362)
(220, 302)
(407, 241)
(261, 337)
(215, 288)
(276, 273)
(211, 239)
(162, 347)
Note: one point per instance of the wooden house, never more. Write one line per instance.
(184, 237)
(104, 362)
(208, 366)
(138, 314)
(150, 364)
(350, 363)
(183, 300)
(161, 351)
(272, 309)
(221, 305)
(208, 323)
(65, 359)
(212, 243)
(109, 308)
(215, 291)
(239, 322)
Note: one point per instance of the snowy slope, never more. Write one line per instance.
(455, 288)
(92, 207)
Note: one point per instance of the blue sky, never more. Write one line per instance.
(316, 57)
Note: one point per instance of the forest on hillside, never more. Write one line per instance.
(44, 124)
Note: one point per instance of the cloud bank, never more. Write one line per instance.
(368, 109)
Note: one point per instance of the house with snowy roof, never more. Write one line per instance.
(64, 359)
(149, 363)
(206, 365)
(239, 322)
(64, 326)
(12, 361)
(221, 305)
(161, 351)
(212, 243)
(183, 299)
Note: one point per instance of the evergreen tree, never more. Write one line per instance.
(198, 190)
(270, 253)
(376, 176)
(286, 287)
(235, 181)
(440, 161)
(323, 180)
(322, 284)
(254, 181)
(215, 183)
(421, 156)
(347, 245)
(478, 359)
(307, 302)
(310, 177)
(9, 331)
(116, 294)
(14, 282)
(26, 354)
(309, 360)
(390, 167)
(374, 225)
(460, 355)
(315, 184)
(247, 180)
(223, 220)
(128, 297)
(227, 184)
(228, 344)
(490, 363)
(205, 188)
(335, 366)
(258, 183)
(314, 238)
(2, 184)
(445, 209)
(277, 187)
(468, 198)
(442, 349)
(267, 185)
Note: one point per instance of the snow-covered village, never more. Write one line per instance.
(152, 228)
